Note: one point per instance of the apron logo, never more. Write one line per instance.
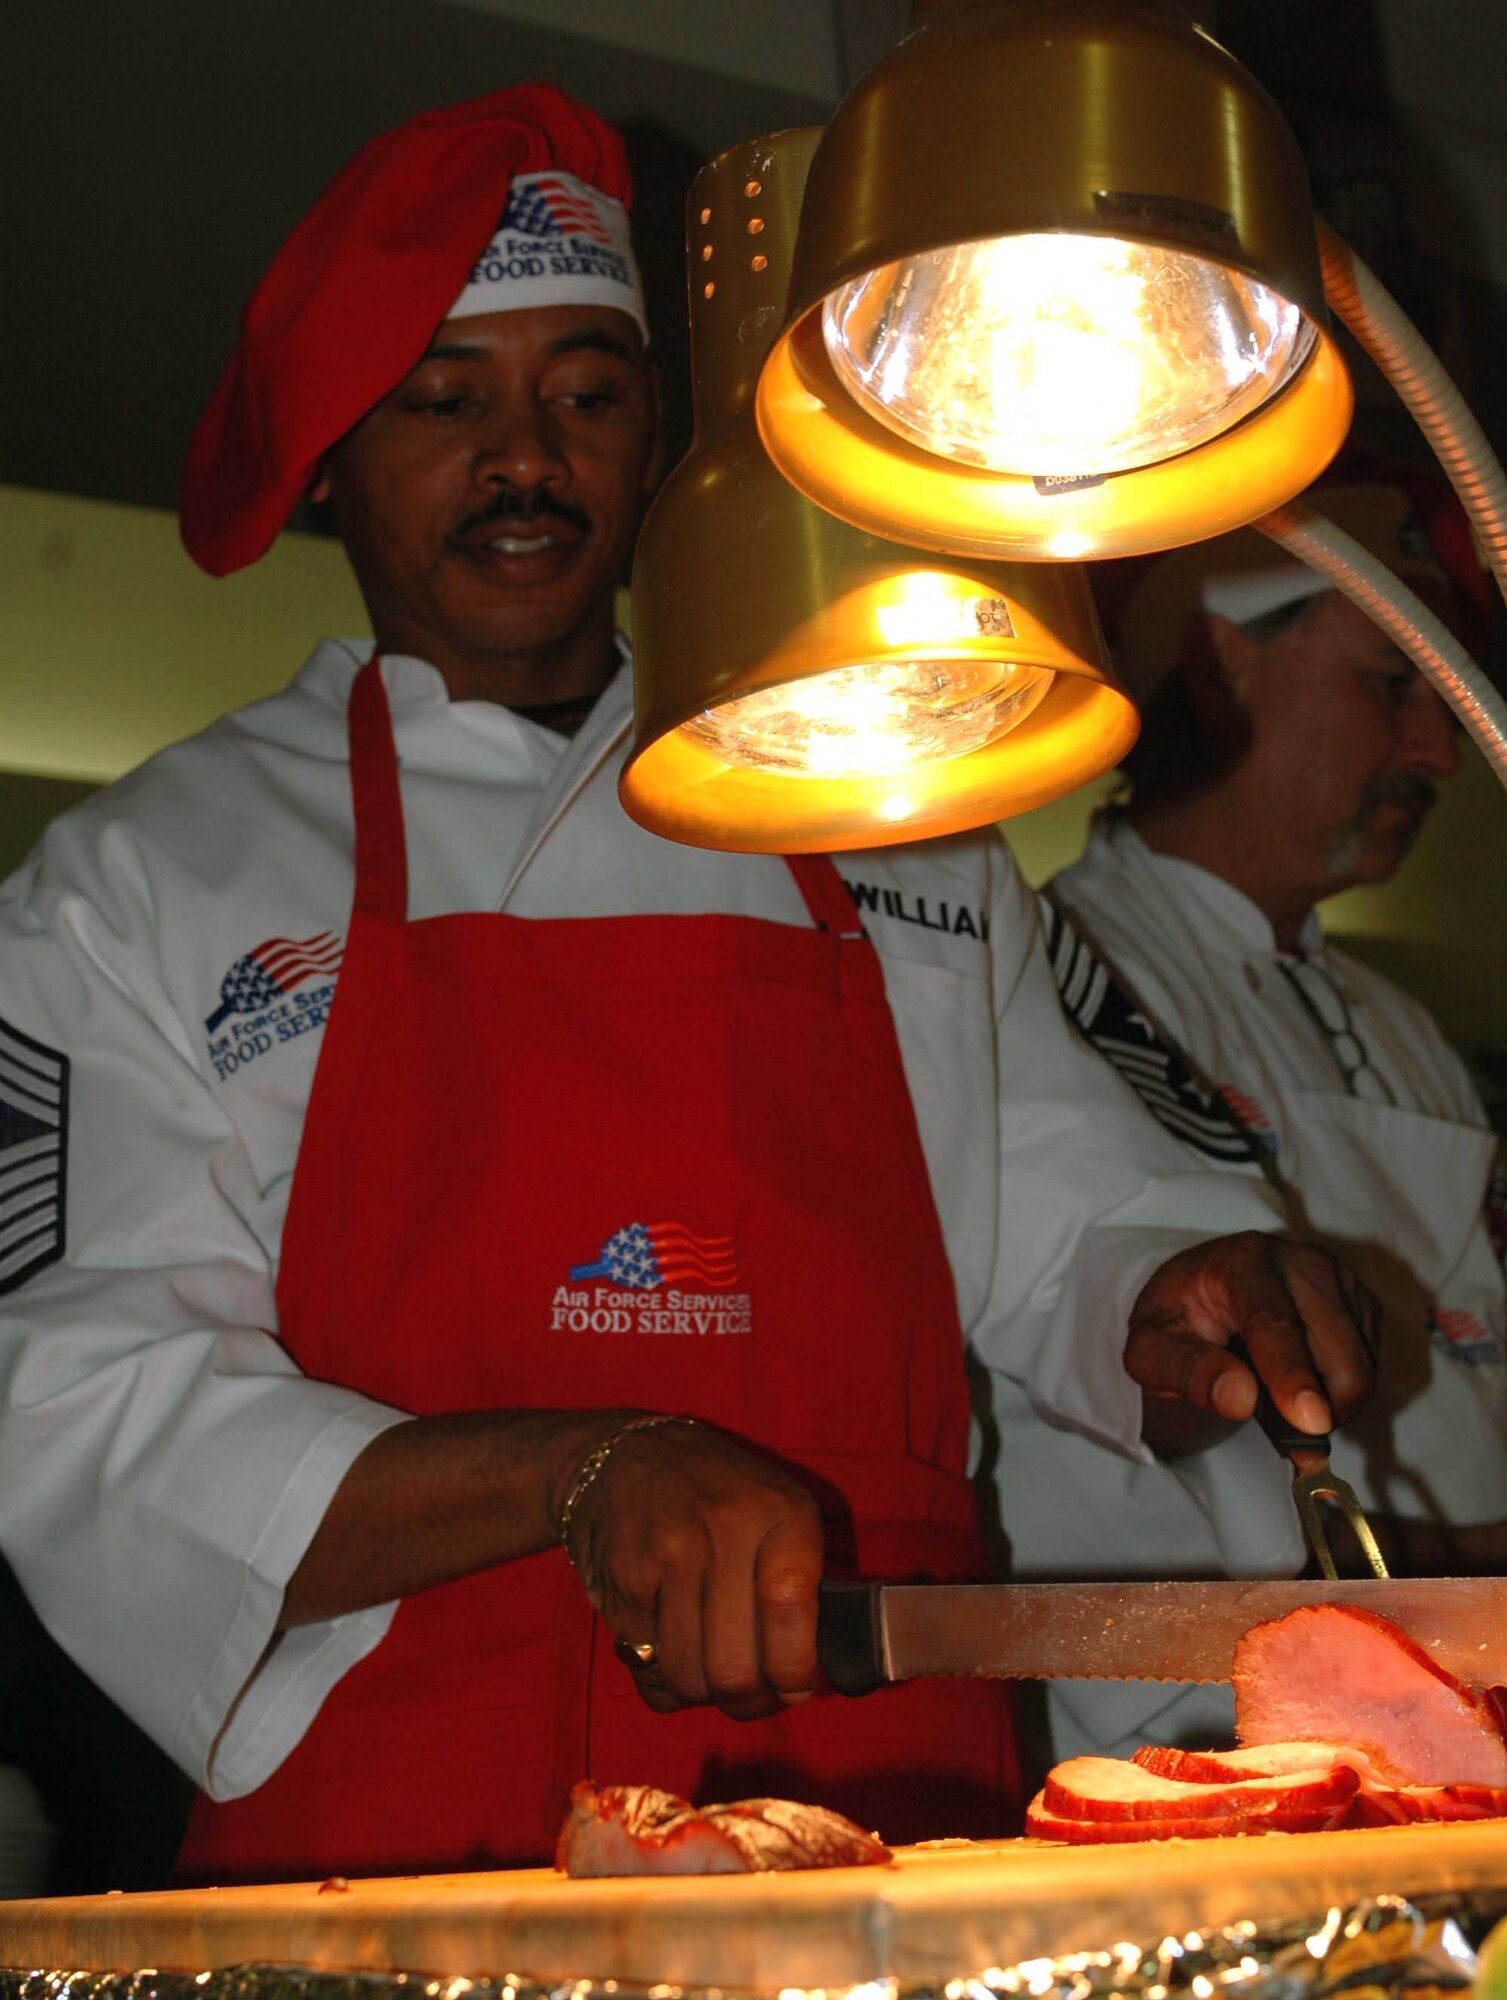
(1463, 1338)
(266, 998)
(641, 1276)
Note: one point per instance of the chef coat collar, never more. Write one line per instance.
(1225, 918)
(413, 684)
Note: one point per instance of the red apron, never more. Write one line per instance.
(666, 1163)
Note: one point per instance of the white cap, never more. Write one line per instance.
(1242, 596)
(1244, 575)
(559, 242)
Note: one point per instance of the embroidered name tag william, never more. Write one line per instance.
(33, 1155)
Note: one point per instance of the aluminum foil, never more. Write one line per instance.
(1385, 1948)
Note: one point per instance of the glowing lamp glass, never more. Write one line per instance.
(865, 721)
(1061, 356)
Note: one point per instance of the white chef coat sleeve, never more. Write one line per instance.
(1094, 1196)
(163, 1465)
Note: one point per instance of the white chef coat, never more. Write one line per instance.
(163, 1465)
(1392, 1167)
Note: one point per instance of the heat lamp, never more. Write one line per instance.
(1057, 292)
(802, 684)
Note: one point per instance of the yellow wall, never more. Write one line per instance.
(1439, 929)
(112, 644)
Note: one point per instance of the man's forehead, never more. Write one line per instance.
(1328, 640)
(540, 333)
(1353, 626)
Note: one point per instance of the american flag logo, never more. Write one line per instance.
(33, 1155)
(1247, 1113)
(1244, 1107)
(554, 205)
(648, 1254)
(273, 969)
(1461, 1335)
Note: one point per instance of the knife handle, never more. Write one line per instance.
(1285, 1436)
(848, 1637)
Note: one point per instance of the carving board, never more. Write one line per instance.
(938, 1912)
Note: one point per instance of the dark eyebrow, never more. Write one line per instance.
(453, 350)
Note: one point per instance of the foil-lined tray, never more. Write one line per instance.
(1385, 1948)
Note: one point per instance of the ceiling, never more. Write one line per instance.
(812, 48)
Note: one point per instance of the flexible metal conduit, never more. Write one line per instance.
(1415, 372)
(1403, 616)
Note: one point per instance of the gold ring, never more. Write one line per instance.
(637, 1658)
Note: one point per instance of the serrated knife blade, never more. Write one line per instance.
(873, 1633)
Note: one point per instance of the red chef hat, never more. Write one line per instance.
(351, 300)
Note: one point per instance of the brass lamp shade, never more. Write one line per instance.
(1083, 119)
(741, 585)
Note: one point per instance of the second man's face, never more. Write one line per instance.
(490, 502)
(1354, 740)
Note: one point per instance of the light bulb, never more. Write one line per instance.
(863, 721)
(1061, 356)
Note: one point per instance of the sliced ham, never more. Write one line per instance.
(1257, 1760)
(1108, 1788)
(1420, 1802)
(1377, 1802)
(637, 1830)
(1043, 1824)
(1344, 1721)
(1332, 1672)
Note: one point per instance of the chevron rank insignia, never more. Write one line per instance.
(33, 1155)
(1108, 1016)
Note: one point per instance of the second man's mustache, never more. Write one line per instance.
(1404, 788)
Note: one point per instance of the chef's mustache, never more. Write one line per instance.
(523, 509)
(1401, 788)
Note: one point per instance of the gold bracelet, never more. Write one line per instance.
(591, 1465)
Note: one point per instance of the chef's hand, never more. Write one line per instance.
(694, 1543)
(1310, 1326)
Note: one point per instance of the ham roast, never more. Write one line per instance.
(636, 1830)
(1344, 1722)
(1331, 1671)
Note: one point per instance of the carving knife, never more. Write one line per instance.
(870, 1633)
